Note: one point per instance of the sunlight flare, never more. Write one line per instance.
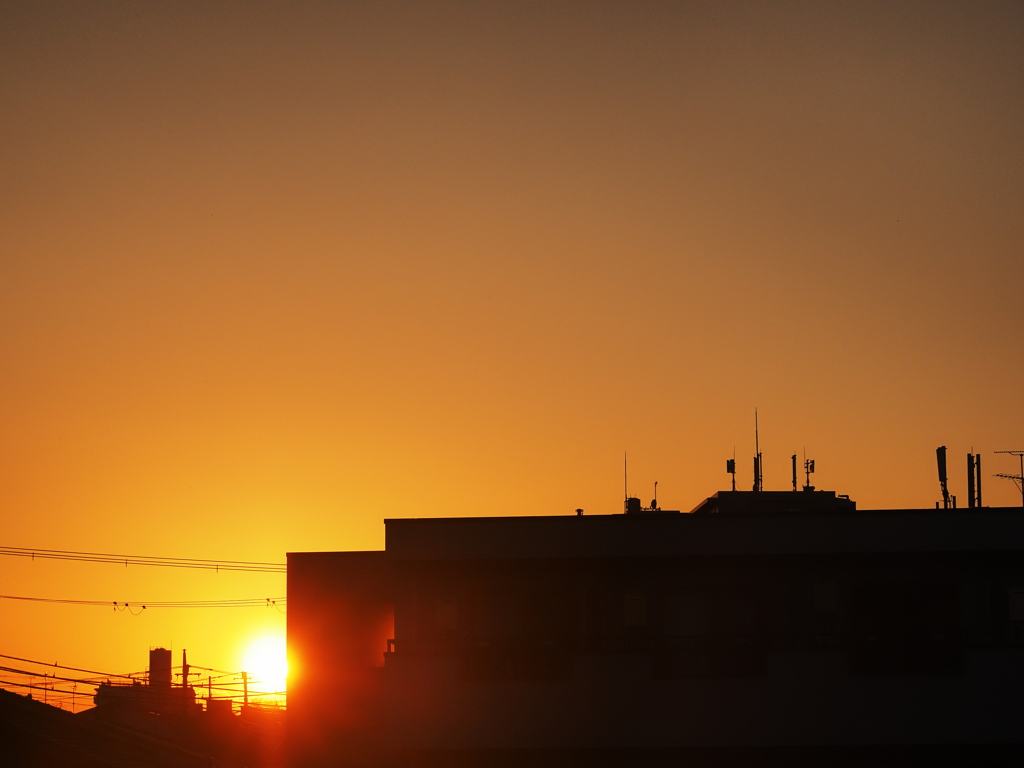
(266, 661)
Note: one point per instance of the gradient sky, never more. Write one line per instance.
(273, 272)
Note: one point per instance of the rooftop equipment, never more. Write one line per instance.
(758, 478)
(940, 457)
(973, 480)
(1018, 480)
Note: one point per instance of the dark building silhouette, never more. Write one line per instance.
(166, 712)
(36, 735)
(781, 628)
(158, 695)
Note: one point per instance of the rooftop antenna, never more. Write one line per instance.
(730, 467)
(654, 504)
(1018, 480)
(794, 471)
(757, 456)
(808, 471)
(973, 479)
(625, 475)
(629, 504)
(940, 458)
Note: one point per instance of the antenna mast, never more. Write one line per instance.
(940, 458)
(1018, 480)
(973, 480)
(757, 456)
(808, 471)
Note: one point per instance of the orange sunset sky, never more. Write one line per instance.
(271, 273)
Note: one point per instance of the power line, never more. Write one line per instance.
(61, 666)
(126, 560)
(47, 688)
(29, 673)
(215, 687)
(268, 602)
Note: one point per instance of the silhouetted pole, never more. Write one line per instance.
(1018, 480)
(970, 481)
(757, 455)
(977, 464)
(940, 457)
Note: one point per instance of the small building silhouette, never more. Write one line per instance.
(783, 628)
(169, 712)
(158, 695)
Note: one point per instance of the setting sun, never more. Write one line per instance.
(266, 661)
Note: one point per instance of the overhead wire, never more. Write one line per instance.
(62, 666)
(48, 688)
(216, 687)
(126, 560)
(136, 608)
(248, 602)
(29, 673)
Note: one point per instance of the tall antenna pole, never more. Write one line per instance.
(757, 445)
(971, 494)
(977, 468)
(625, 476)
(757, 455)
(1018, 480)
(940, 458)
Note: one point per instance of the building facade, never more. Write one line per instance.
(762, 628)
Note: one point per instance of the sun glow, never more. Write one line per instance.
(266, 662)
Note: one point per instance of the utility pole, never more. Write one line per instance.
(184, 668)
